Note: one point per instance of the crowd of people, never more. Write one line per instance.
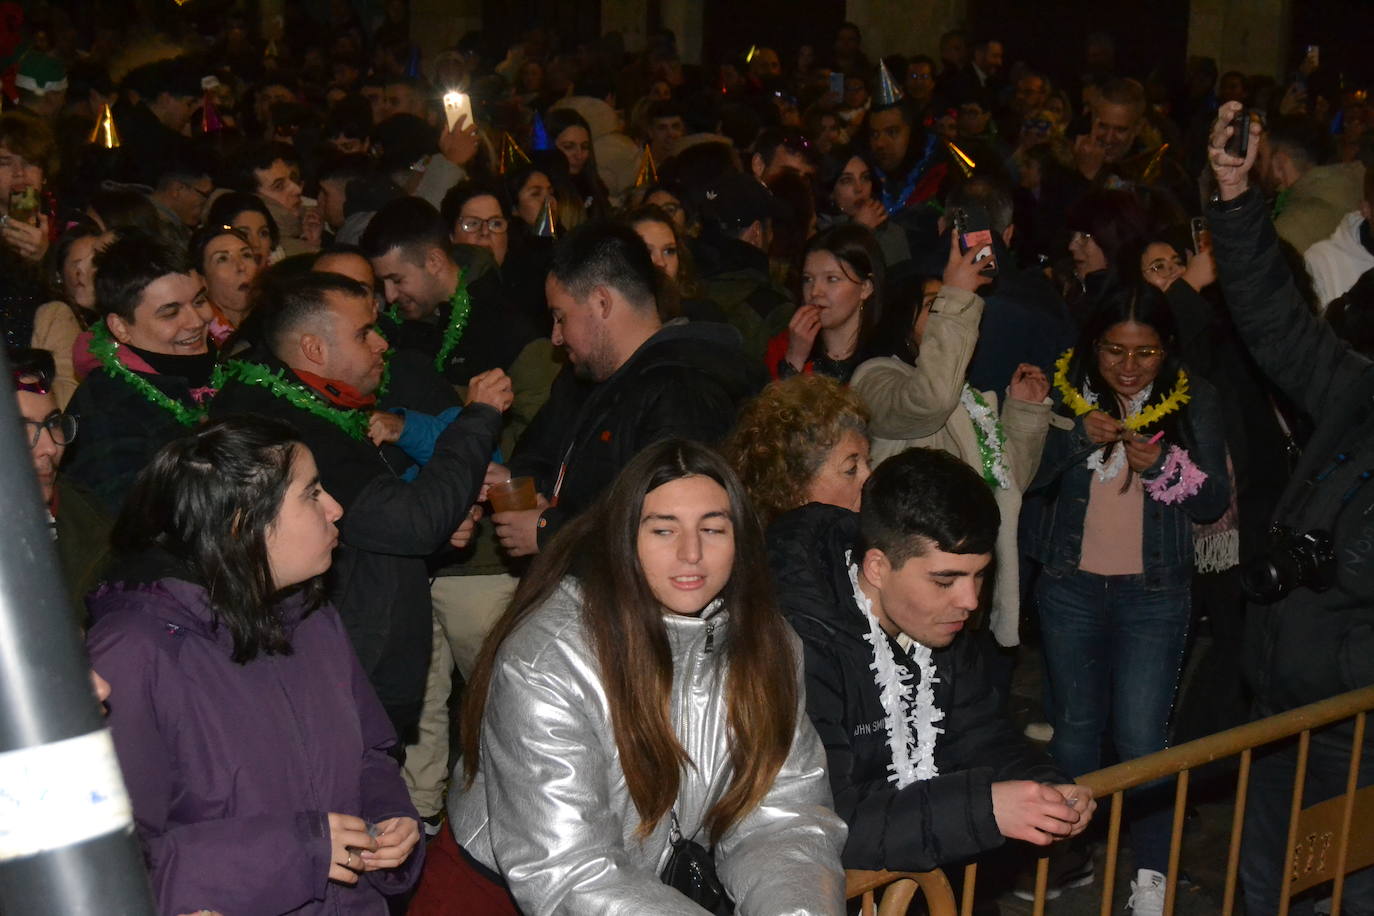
(582, 482)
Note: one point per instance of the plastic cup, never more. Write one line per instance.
(514, 495)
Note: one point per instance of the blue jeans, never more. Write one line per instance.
(1266, 820)
(1113, 652)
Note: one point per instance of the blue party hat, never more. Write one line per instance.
(539, 134)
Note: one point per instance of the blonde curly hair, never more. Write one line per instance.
(783, 436)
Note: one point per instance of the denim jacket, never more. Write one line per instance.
(1054, 533)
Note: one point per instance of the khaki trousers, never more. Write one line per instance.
(465, 608)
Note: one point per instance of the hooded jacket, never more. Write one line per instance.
(1335, 263)
(929, 823)
(571, 846)
(233, 769)
(390, 526)
(687, 380)
(735, 277)
(1317, 202)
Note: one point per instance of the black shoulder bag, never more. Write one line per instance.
(691, 871)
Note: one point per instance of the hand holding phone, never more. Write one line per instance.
(24, 205)
(974, 230)
(1238, 144)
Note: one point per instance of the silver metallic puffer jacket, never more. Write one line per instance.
(550, 810)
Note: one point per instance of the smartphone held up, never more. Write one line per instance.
(1238, 144)
(974, 229)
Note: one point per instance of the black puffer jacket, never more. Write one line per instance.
(927, 824)
(687, 380)
(379, 581)
(1311, 644)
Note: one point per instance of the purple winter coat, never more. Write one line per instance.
(233, 769)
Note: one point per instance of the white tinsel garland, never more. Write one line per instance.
(911, 729)
(991, 440)
(1107, 470)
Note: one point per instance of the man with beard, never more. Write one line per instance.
(322, 367)
(636, 381)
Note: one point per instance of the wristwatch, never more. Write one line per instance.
(1217, 205)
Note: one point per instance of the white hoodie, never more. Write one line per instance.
(1337, 262)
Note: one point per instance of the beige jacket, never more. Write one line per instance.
(918, 406)
(55, 329)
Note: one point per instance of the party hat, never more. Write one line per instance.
(648, 172)
(210, 121)
(544, 226)
(888, 94)
(966, 165)
(539, 134)
(512, 156)
(104, 134)
(413, 67)
(1152, 167)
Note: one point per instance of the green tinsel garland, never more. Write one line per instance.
(352, 421)
(460, 305)
(105, 348)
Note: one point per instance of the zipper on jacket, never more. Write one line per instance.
(710, 635)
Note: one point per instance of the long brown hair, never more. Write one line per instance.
(626, 630)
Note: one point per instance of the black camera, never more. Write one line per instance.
(1294, 561)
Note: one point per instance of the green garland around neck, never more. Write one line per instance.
(460, 306)
(106, 349)
(352, 420)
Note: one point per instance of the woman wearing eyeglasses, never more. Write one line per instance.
(1134, 456)
(476, 216)
(478, 213)
(80, 528)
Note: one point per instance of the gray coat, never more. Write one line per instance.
(550, 811)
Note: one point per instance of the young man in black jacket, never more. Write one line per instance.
(635, 380)
(453, 316)
(322, 368)
(925, 768)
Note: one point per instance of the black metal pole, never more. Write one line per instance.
(66, 838)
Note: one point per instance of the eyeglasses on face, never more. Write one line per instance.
(61, 426)
(1161, 266)
(472, 224)
(1077, 237)
(1114, 352)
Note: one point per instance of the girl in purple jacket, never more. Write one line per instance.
(253, 747)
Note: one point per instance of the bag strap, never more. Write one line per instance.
(674, 830)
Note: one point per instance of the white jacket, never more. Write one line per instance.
(1337, 262)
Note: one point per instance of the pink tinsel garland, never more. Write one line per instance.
(1179, 479)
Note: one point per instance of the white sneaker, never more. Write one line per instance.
(1147, 893)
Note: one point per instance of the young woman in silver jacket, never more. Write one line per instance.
(643, 677)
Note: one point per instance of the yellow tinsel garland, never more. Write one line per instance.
(1081, 405)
